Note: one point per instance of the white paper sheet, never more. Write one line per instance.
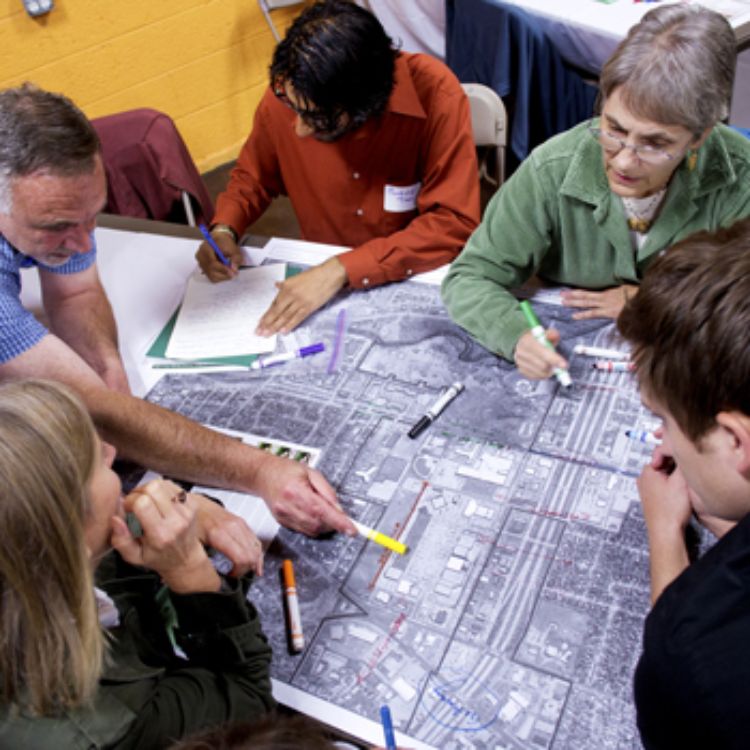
(219, 320)
(313, 253)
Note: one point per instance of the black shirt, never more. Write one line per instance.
(692, 683)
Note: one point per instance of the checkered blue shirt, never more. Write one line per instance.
(19, 329)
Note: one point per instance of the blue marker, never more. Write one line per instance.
(278, 359)
(211, 241)
(387, 722)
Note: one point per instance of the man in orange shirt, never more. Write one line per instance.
(375, 150)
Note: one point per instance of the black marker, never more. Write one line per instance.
(436, 409)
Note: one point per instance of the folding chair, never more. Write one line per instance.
(150, 173)
(269, 5)
(488, 123)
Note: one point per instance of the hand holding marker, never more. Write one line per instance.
(563, 376)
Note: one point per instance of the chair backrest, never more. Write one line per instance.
(267, 6)
(150, 173)
(489, 125)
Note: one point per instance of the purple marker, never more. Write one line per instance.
(279, 359)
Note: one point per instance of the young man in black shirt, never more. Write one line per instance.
(689, 326)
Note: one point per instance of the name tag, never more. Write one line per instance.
(400, 198)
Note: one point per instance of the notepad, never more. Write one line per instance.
(219, 320)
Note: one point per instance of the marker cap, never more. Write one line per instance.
(312, 349)
(288, 572)
(419, 427)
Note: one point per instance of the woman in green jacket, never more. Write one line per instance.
(99, 668)
(592, 207)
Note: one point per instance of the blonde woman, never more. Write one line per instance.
(98, 668)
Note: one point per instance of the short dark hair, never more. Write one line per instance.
(272, 732)
(339, 60)
(689, 326)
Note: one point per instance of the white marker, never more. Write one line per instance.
(279, 359)
(643, 436)
(598, 351)
(613, 365)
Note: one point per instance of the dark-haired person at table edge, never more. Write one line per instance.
(374, 149)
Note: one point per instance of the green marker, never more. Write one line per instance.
(563, 376)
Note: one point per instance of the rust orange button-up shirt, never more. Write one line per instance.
(402, 190)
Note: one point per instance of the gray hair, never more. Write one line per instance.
(675, 67)
(42, 131)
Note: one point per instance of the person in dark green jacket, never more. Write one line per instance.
(592, 207)
(164, 645)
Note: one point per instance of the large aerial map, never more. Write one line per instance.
(515, 619)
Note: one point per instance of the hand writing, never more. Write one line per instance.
(211, 265)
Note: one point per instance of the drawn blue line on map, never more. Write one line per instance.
(449, 710)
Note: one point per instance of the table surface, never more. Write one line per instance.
(587, 31)
(515, 620)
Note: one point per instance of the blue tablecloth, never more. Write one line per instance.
(502, 46)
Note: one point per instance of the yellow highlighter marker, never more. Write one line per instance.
(382, 539)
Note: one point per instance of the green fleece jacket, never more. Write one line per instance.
(556, 217)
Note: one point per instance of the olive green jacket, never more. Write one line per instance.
(556, 217)
(148, 697)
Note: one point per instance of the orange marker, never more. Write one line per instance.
(292, 605)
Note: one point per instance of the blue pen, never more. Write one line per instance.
(387, 722)
(211, 241)
(278, 359)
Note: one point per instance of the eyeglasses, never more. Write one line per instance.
(645, 153)
(320, 122)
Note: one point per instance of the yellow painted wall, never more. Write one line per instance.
(203, 62)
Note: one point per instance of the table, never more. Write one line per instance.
(415, 26)
(515, 620)
(586, 32)
(502, 46)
